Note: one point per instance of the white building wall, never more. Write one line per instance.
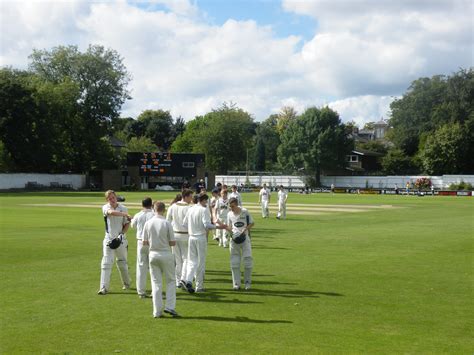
(18, 181)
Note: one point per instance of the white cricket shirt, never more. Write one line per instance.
(158, 232)
(139, 220)
(113, 224)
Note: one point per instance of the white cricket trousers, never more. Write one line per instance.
(119, 254)
(265, 212)
(239, 252)
(197, 260)
(180, 251)
(142, 266)
(281, 209)
(162, 263)
(222, 237)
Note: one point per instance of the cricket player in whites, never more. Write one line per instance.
(236, 194)
(198, 222)
(264, 200)
(175, 216)
(222, 208)
(239, 222)
(212, 209)
(138, 222)
(158, 233)
(282, 198)
(117, 222)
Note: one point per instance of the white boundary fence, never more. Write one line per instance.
(20, 181)
(376, 182)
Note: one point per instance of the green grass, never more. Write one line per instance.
(383, 281)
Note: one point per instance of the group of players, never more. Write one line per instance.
(173, 244)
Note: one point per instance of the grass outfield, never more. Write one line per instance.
(393, 279)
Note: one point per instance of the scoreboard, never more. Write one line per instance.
(165, 164)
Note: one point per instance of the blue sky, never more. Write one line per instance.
(190, 56)
(264, 12)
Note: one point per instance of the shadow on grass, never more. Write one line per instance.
(235, 319)
(227, 272)
(254, 282)
(254, 246)
(213, 296)
(286, 293)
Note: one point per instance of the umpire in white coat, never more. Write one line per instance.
(138, 222)
(158, 233)
(239, 222)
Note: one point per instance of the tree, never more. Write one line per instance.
(35, 118)
(178, 127)
(140, 144)
(373, 146)
(267, 141)
(315, 141)
(100, 80)
(370, 126)
(286, 115)
(446, 150)
(396, 162)
(260, 155)
(158, 125)
(411, 115)
(6, 164)
(429, 104)
(223, 135)
(99, 73)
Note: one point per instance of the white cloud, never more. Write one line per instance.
(372, 46)
(364, 51)
(362, 109)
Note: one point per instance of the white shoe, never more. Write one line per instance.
(157, 315)
(236, 288)
(126, 287)
(247, 287)
(102, 291)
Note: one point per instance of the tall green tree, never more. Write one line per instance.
(446, 150)
(411, 115)
(315, 141)
(158, 127)
(267, 140)
(259, 154)
(284, 117)
(223, 135)
(35, 117)
(429, 104)
(396, 162)
(99, 72)
(101, 80)
(140, 144)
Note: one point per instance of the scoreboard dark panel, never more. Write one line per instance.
(165, 164)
